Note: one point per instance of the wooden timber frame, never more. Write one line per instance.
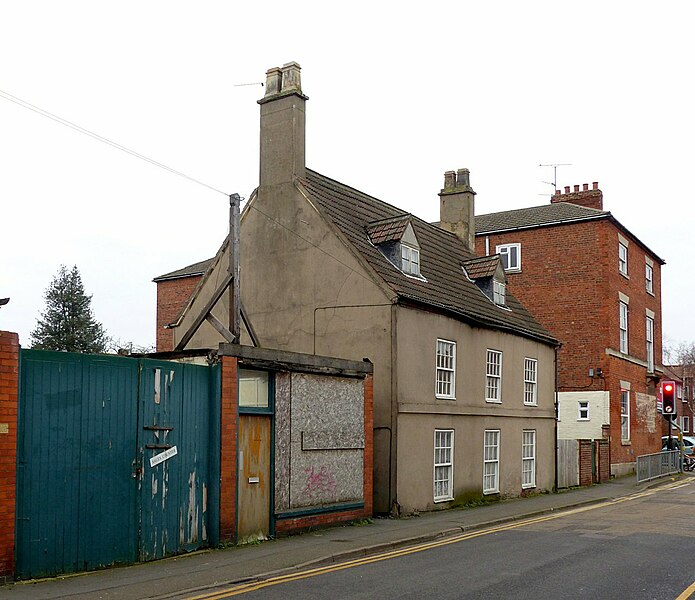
(231, 282)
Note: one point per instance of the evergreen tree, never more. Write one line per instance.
(67, 322)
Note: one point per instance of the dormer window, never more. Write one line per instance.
(395, 239)
(487, 272)
(410, 260)
(499, 292)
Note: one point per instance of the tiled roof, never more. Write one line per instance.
(442, 255)
(485, 266)
(195, 269)
(535, 216)
(387, 230)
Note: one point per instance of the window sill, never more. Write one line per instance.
(447, 499)
(445, 397)
(489, 401)
(625, 443)
(651, 293)
(530, 403)
(489, 492)
(584, 420)
(624, 275)
(528, 486)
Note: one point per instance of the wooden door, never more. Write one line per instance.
(254, 482)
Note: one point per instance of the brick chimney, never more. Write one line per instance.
(457, 205)
(590, 198)
(282, 145)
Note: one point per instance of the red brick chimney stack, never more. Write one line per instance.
(589, 198)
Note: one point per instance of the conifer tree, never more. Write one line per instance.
(67, 322)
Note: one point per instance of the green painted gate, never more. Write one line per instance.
(116, 460)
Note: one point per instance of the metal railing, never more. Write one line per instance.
(652, 466)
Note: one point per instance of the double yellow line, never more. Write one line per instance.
(271, 581)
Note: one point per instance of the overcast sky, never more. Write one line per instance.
(397, 96)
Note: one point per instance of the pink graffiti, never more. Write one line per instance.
(318, 482)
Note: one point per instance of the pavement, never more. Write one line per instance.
(203, 571)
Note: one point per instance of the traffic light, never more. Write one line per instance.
(668, 398)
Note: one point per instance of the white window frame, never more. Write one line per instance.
(625, 415)
(506, 252)
(622, 258)
(443, 481)
(649, 278)
(583, 407)
(445, 370)
(410, 260)
(491, 461)
(624, 327)
(528, 458)
(530, 381)
(493, 376)
(685, 424)
(499, 293)
(650, 344)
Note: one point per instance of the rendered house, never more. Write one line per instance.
(597, 288)
(463, 374)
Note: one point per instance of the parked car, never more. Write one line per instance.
(688, 443)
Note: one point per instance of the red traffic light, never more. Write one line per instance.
(668, 397)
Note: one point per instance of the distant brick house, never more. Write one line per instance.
(684, 376)
(173, 292)
(597, 288)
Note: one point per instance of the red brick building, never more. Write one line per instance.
(597, 288)
(173, 292)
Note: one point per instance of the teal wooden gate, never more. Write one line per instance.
(114, 460)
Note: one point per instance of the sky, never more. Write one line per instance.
(398, 93)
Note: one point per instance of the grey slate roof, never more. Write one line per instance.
(535, 216)
(195, 269)
(442, 256)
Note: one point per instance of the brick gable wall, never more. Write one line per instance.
(172, 297)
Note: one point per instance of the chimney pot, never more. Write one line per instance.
(576, 188)
(585, 187)
(567, 189)
(463, 178)
(273, 78)
(449, 180)
(595, 184)
(291, 79)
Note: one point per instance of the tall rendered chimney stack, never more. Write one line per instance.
(457, 207)
(282, 143)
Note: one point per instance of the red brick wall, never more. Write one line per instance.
(285, 526)
(228, 438)
(604, 460)
(9, 384)
(368, 445)
(560, 284)
(585, 463)
(172, 297)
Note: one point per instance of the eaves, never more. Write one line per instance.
(405, 300)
